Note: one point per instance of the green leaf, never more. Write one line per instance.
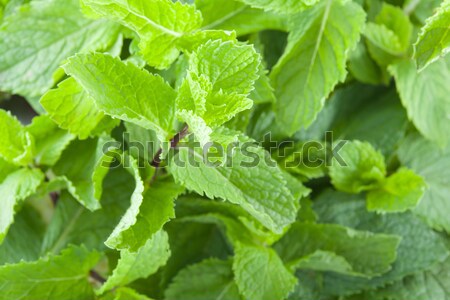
(389, 35)
(16, 144)
(159, 24)
(236, 16)
(398, 193)
(53, 277)
(72, 109)
(260, 273)
(430, 284)
(5, 169)
(126, 92)
(141, 264)
(259, 188)
(84, 165)
(124, 293)
(209, 279)
(24, 239)
(366, 254)
(362, 168)
(156, 209)
(50, 141)
(314, 60)
(131, 216)
(281, 6)
(434, 38)
(15, 188)
(28, 63)
(432, 116)
(74, 224)
(420, 246)
(432, 163)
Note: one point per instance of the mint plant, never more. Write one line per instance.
(224, 149)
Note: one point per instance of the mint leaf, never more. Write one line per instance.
(430, 117)
(226, 182)
(63, 277)
(282, 6)
(156, 209)
(15, 188)
(160, 24)
(320, 40)
(209, 279)
(399, 192)
(74, 224)
(236, 16)
(431, 162)
(366, 254)
(260, 273)
(72, 109)
(149, 100)
(50, 141)
(16, 145)
(141, 264)
(389, 35)
(433, 41)
(362, 168)
(84, 165)
(62, 31)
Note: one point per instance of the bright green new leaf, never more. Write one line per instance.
(159, 24)
(156, 209)
(389, 35)
(425, 97)
(53, 277)
(282, 6)
(434, 38)
(209, 279)
(236, 16)
(15, 188)
(260, 273)
(72, 109)
(360, 168)
(399, 192)
(230, 67)
(366, 253)
(314, 60)
(35, 41)
(5, 169)
(141, 264)
(16, 144)
(50, 141)
(124, 91)
(250, 181)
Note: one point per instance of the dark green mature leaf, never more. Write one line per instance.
(52, 277)
(433, 163)
(260, 273)
(362, 253)
(35, 41)
(126, 92)
(314, 61)
(209, 279)
(419, 248)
